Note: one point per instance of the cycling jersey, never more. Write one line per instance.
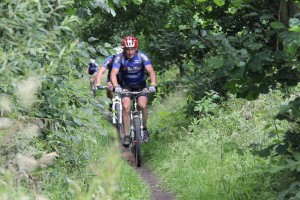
(132, 70)
(92, 68)
(107, 63)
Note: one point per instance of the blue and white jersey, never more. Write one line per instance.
(132, 70)
(108, 62)
(92, 68)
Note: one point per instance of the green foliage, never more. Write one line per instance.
(170, 121)
(213, 155)
(131, 186)
(246, 51)
(290, 111)
(291, 192)
(167, 83)
(207, 105)
(46, 114)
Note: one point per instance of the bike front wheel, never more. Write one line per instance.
(137, 141)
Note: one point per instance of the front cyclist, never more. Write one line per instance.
(132, 63)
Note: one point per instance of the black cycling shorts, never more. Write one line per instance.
(135, 88)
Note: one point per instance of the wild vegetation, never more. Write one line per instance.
(54, 143)
(219, 155)
(233, 62)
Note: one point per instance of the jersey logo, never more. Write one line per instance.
(140, 60)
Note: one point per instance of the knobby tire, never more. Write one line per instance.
(119, 125)
(94, 89)
(137, 134)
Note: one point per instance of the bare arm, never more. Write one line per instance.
(99, 75)
(151, 73)
(113, 77)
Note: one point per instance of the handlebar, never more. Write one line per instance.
(125, 91)
(145, 91)
(102, 87)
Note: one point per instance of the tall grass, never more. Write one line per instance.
(100, 172)
(210, 157)
(86, 162)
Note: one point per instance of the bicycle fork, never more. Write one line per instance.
(131, 126)
(136, 114)
(117, 100)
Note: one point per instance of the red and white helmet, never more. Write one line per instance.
(130, 42)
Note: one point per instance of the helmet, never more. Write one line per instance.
(130, 42)
(118, 50)
(92, 61)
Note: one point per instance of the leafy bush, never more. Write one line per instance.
(53, 143)
(213, 153)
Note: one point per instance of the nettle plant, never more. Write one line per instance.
(208, 104)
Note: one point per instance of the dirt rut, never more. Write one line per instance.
(157, 192)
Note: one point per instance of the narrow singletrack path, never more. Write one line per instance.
(157, 192)
(149, 177)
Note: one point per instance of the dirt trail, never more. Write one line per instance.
(157, 193)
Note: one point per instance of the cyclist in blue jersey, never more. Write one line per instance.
(92, 70)
(132, 64)
(107, 65)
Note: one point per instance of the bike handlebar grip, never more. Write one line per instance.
(101, 87)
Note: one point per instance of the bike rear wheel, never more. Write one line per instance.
(94, 88)
(137, 141)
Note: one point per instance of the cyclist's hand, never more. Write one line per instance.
(118, 89)
(152, 89)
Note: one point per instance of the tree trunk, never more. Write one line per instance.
(181, 71)
(283, 12)
(287, 9)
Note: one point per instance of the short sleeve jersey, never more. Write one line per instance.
(107, 63)
(92, 68)
(132, 70)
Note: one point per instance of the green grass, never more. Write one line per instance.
(195, 159)
(89, 166)
(102, 173)
(131, 186)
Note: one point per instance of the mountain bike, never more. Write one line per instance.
(94, 88)
(136, 126)
(116, 110)
(92, 81)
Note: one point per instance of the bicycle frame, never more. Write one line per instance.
(116, 116)
(136, 127)
(135, 113)
(136, 121)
